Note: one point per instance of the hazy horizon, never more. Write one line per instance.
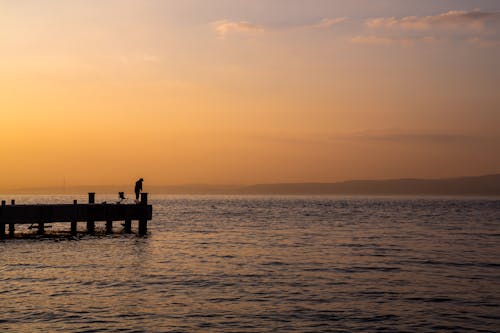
(258, 183)
(247, 92)
(485, 185)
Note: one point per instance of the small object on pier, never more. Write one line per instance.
(121, 197)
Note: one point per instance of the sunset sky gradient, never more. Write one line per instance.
(239, 92)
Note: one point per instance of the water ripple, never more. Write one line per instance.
(259, 264)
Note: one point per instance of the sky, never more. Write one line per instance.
(247, 91)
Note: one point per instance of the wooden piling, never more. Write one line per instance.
(41, 228)
(143, 222)
(91, 223)
(45, 214)
(74, 218)
(109, 227)
(109, 220)
(127, 227)
(12, 227)
(2, 223)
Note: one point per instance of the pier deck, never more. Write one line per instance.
(41, 214)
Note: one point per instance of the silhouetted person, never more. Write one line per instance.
(138, 188)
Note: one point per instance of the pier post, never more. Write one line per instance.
(109, 222)
(109, 227)
(12, 227)
(2, 223)
(128, 226)
(41, 228)
(143, 222)
(75, 217)
(91, 223)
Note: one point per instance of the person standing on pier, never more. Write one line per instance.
(138, 188)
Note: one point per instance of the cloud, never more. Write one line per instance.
(226, 27)
(402, 136)
(453, 26)
(387, 41)
(393, 136)
(384, 41)
(484, 43)
(475, 20)
(329, 22)
(140, 58)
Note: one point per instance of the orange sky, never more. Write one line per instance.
(238, 92)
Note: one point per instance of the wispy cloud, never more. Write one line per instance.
(329, 22)
(483, 42)
(453, 26)
(387, 41)
(406, 136)
(226, 27)
(395, 136)
(475, 20)
(141, 58)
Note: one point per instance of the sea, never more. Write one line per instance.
(262, 264)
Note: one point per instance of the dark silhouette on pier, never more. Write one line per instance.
(40, 215)
(121, 197)
(138, 188)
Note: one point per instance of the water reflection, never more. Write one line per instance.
(262, 264)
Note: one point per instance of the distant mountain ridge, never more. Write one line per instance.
(488, 185)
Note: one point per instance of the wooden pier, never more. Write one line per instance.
(41, 215)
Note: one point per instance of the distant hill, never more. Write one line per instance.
(474, 186)
(488, 185)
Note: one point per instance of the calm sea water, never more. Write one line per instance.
(261, 264)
